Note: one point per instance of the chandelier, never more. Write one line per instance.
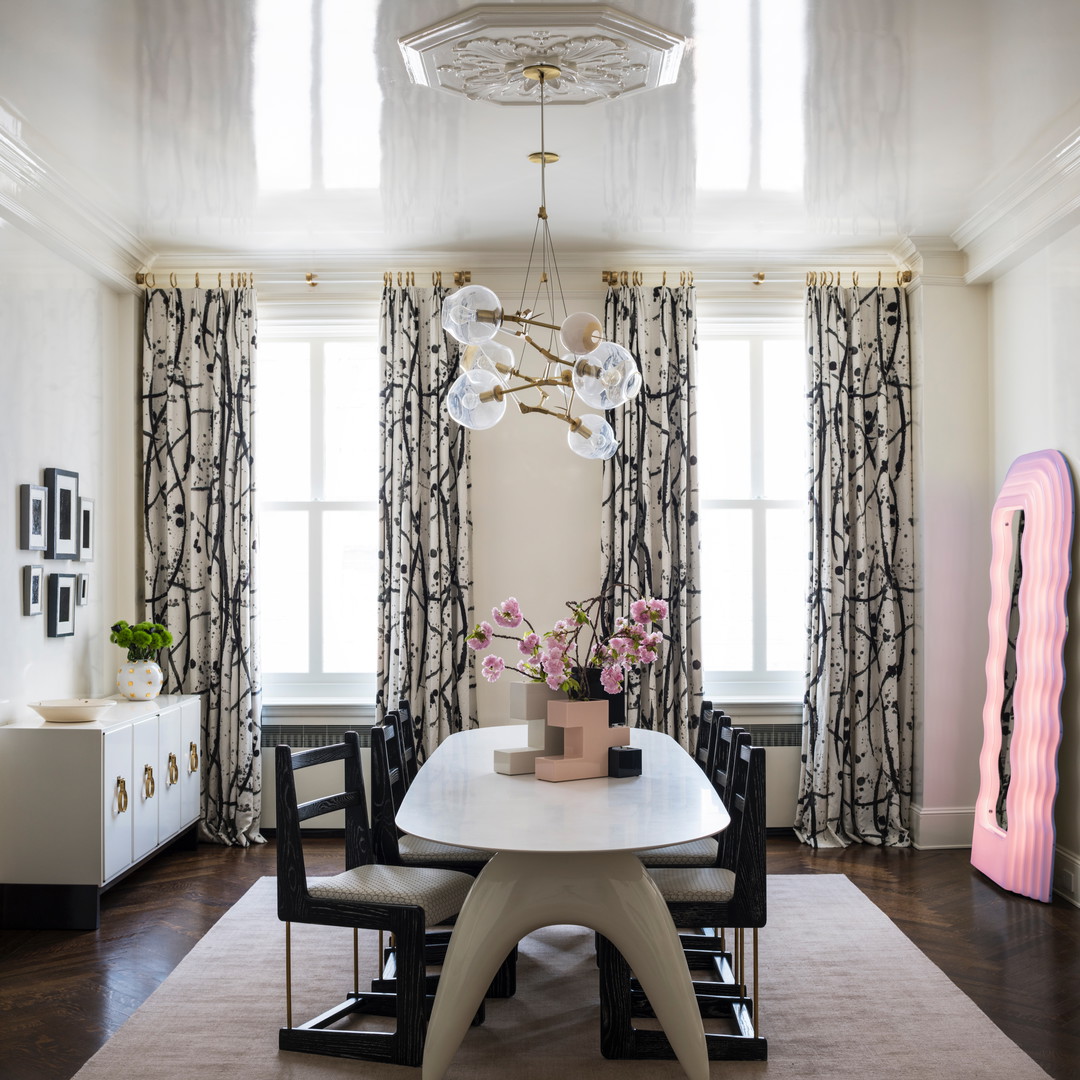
(573, 365)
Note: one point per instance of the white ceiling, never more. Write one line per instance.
(899, 119)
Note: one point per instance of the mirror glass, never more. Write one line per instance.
(1014, 532)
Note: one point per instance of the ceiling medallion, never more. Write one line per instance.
(602, 53)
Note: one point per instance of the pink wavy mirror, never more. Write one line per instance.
(1031, 533)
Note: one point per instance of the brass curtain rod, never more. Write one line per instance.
(636, 277)
(833, 277)
(408, 277)
(237, 279)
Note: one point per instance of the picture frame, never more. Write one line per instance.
(61, 621)
(33, 588)
(33, 517)
(63, 531)
(86, 530)
(82, 590)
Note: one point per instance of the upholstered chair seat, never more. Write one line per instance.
(417, 852)
(692, 853)
(439, 892)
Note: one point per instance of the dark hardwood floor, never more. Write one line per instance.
(62, 994)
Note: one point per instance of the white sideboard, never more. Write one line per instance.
(82, 804)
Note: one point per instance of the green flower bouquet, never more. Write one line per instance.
(142, 640)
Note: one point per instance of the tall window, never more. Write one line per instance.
(752, 486)
(317, 481)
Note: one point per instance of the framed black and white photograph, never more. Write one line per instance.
(33, 517)
(61, 622)
(33, 584)
(86, 530)
(82, 590)
(63, 529)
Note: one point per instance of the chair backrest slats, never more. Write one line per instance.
(387, 790)
(359, 849)
(705, 744)
(410, 750)
(327, 804)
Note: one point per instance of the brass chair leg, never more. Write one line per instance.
(757, 989)
(288, 975)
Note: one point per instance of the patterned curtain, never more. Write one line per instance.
(200, 545)
(425, 575)
(649, 530)
(858, 711)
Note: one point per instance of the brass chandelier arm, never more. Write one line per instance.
(526, 320)
(574, 421)
(497, 393)
(579, 365)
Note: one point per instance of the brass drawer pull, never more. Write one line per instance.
(121, 795)
(173, 774)
(193, 758)
(148, 781)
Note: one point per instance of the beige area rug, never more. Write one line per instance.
(844, 994)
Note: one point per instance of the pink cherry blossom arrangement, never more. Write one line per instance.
(555, 657)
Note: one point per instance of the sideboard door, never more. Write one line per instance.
(118, 802)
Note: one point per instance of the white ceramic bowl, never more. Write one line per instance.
(72, 710)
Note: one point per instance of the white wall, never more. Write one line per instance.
(61, 333)
(535, 504)
(949, 332)
(1035, 381)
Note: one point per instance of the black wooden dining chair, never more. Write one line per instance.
(388, 788)
(397, 848)
(703, 852)
(732, 896)
(367, 895)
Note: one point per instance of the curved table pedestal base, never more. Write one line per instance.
(611, 893)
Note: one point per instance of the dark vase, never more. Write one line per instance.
(616, 702)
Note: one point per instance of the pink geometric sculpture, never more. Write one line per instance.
(586, 738)
(1020, 855)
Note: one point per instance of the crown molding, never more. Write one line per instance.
(933, 260)
(37, 199)
(1029, 210)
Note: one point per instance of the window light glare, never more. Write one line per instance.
(282, 104)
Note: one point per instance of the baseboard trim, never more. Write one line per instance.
(942, 827)
(1066, 883)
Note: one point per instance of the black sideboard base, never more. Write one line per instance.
(50, 907)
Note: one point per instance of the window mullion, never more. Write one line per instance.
(757, 491)
(318, 490)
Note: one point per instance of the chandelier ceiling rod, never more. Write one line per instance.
(601, 373)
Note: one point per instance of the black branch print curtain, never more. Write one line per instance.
(200, 541)
(425, 574)
(649, 530)
(858, 717)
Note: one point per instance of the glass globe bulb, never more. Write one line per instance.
(599, 444)
(488, 355)
(468, 404)
(581, 333)
(607, 377)
(472, 314)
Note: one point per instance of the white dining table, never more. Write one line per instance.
(564, 853)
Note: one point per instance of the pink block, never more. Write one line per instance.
(586, 739)
(1021, 857)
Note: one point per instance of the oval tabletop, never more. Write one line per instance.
(458, 798)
